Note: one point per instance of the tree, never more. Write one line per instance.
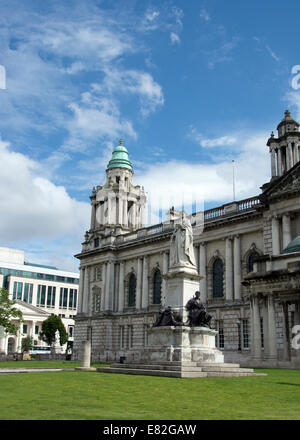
(49, 328)
(8, 312)
(27, 343)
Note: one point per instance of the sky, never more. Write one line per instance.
(189, 86)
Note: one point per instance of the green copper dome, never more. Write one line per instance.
(293, 246)
(120, 158)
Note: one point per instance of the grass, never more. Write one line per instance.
(71, 395)
(45, 364)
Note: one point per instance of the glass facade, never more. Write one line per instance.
(40, 276)
(23, 294)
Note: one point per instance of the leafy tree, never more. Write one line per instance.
(49, 328)
(27, 343)
(8, 312)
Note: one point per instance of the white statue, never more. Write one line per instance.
(57, 338)
(181, 248)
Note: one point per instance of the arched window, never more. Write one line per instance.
(157, 287)
(218, 278)
(131, 290)
(250, 260)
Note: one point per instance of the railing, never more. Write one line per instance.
(213, 213)
(248, 203)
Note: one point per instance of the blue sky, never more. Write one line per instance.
(189, 86)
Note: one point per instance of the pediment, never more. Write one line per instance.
(285, 186)
(28, 309)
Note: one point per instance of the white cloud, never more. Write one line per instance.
(175, 39)
(168, 183)
(204, 15)
(33, 209)
(221, 141)
(273, 54)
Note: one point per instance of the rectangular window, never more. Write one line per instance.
(65, 300)
(28, 288)
(75, 299)
(71, 296)
(245, 333)
(41, 295)
(71, 331)
(36, 330)
(19, 290)
(25, 329)
(262, 332)
(61, 297)
(15, 290)
(53, 296)
(49, 293)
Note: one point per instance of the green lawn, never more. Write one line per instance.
(91, 395)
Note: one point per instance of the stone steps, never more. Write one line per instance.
(183, 370)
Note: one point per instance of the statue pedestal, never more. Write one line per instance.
(181, 284)
(182, 344)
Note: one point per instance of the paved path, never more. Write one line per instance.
(27, 370)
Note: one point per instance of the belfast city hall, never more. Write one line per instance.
(247, 257)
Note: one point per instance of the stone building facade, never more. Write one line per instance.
(250, 278)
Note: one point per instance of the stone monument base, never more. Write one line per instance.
(180, 351)
(181, 343)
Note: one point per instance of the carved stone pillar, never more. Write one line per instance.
(165, 267)
(279, 162)
(273, 165)
(228, 273)
(272, 353)
(256, 334)
(275, 235)
(237, 267)
(286, 230)
(125, 212)
(80, 296)
(202, 270)
(139, 284)
(286, 332)
(145, 283)
(86, 291)
(121, 288)
(103, 290)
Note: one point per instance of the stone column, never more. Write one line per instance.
(86, 354)
(202, 270)
(145, 283)
(275, 235)
(121, 287)
(93, 214)
(120, 211)
(228, 274)
(109, 220)
(139, 284)
(80, 295)
(86, 291)
(237, 267)
(279, 162)
(286, 332)
(289, 156)
(111, 285)
(256, 335)
(272, 354)
(125, 212)
(165, 267)
(103, 290)
(296, 147)
(107, 286)
(133, 215)
(32, 332)
(286, 230)
(273, 166)
(265, 319)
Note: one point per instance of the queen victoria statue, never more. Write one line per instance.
(181, 248)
